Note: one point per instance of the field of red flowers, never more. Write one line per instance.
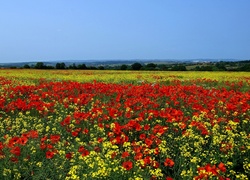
(97, 130)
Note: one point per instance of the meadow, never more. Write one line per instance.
(73, 124)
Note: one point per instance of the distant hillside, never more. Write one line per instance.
(114, 62)
(149, 65)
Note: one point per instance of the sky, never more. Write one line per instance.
(50, 30)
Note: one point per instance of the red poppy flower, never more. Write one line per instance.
(49, 146)
(22, 140)
(113, 155)
(125, 154)
(99, 139)
(146, 127)
(97, 149)
(49, 154)
(153, 178)
(69, 155)
(142, 136)
(85, 131)
(55, 138)
(155, 164)
(148, 141)
(14, 159)
(16, 151)
(127, 165)
(156, 151)
(44, 138)
(13, 141)
(169, 162)
(138, 127)
(66, 121)
(211, 169)
(81, 149)
(33, 133)
(85, 152)
(222, 167)
(1, 145)
(169, 178)
(138, 156)
(147, 160)
(74, 133)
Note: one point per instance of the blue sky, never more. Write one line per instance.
(123, 29)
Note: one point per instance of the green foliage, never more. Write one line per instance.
(150, 66)
(26, 66)
(221, 66)
(179, 68)
(39, 65)
(101, 68)
(73, 66)
(82, 66)
(245, 68)
(60, 65)
(136, 66)
(124, 67)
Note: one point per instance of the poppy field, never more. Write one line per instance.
(124, 125)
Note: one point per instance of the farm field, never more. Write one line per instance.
(73, 124)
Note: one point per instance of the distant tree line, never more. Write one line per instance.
(41, 65)
(224, 66)
(215, 66)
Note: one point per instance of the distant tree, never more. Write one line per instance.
(82, 66)
(92, 68)
(26, 66)
(221, 66)
(108, 67)
(245, 67)
(129, 67)
(74, 66)
(207, 68)
(116, 68)
(150, 66)
(39, 65)
(123, 67)
(179, 68)
(60, 65)
(101, 68)
(162, 67)
(136, 66)
(197, 68)
(49, 67)
(143, 68)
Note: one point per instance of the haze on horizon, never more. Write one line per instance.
(115, 29)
